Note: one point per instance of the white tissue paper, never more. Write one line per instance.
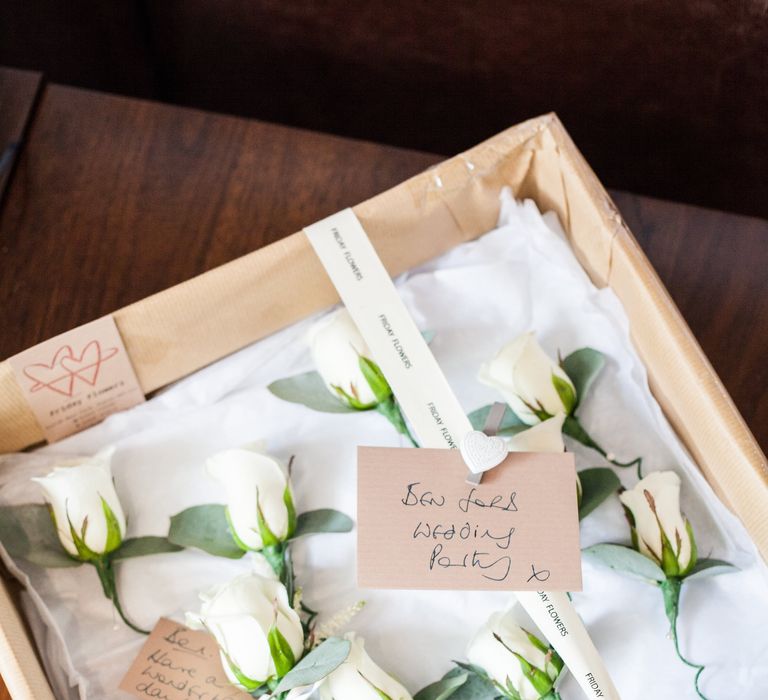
(521, 276)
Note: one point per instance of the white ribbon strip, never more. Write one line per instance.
(432, 408)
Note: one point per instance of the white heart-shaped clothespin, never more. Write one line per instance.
(482, 452)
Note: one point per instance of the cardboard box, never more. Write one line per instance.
(173, 333)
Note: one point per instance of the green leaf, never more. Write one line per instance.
(28, 532)
(84, 553)
(322, 520)
(281, 651)
(428, 336)
(351, 400)
(538, 678)
(669, 561)
(582, 367)
(248, 683)
(478, 685)
(533, 639)
(375, 378)
(310, 390)
(694, 550)
(114, 536)
(268, 538)
(316, 665)
(444, 688)
(291, 508)
(242, 545)
(597, 484)
(624, 559)
(566, 393)
(510, 423)
(710, 567)
(144, 546)
(204, 527)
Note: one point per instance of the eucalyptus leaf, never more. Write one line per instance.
(322, 520)
(582, 367)
(597, 484)
(27, 532)
(204, 527)
(445, 687)
(478, 685)
(624, 559)
(316, 665)
(510, 423)
(310, 390)
(710, 567)
(144, 546)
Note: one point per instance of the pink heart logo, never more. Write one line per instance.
(53, 376)
(86, 367)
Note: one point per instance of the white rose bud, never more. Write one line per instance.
(359, 678)
(259, 635)
(517, 661)
(260, 506)
(546, 436)
(659, 530)
(84, 506)
(342, 358)
(534, 386)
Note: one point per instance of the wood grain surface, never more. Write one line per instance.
(18, 93)
(113, 199)
(663, 98)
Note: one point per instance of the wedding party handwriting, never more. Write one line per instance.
(489, 564)
(423, 526)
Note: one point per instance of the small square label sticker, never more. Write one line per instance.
(77, 379)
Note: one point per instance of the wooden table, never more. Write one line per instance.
(112, 199)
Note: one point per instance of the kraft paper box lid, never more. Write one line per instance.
(173, 333)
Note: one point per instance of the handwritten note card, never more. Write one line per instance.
(420, 525)
(177, 663)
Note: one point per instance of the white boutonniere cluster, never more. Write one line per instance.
(663, 548)
(82, 522)
(504, 660)
(269, 641)
(346, 379)
(543, 398)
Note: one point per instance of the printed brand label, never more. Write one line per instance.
(77, 379)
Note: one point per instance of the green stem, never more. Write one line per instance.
(390, 409)
(279, 558)
(106, 573)
(573, 428)
(670, 589)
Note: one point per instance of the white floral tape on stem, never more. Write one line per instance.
(432, 408)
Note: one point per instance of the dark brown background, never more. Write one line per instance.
(664, 98)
